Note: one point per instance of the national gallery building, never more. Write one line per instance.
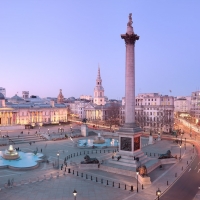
(31, 111)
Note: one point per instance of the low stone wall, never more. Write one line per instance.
(117, 171)
(168, 161)
(88, 166)
(146, 180)
(14, 127)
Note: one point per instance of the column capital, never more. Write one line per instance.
(130, 38)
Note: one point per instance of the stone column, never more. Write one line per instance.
(130, 39)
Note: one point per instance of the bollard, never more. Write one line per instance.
(92, 152)
(100, 151)
(69, 171)
(81, 174)
(125, 187)
(77, 153)
(119, 185)
(73, 171)
(104, 151)
(142, 187)
(67, 157)
(187, 162)
(107, 182)
(167, 183)
(182, 168)
(113, 151)
(131, 188)
(146, 153)
(71, 155)
(96, 179)
(86, 176)
(80, 153)
(150, 154)
(154, 154)
(101, 181)
(96, 151)
(88, 152)
(74, 154)
(113, 184)
(91, 178)
(84, 152)
(77, 173)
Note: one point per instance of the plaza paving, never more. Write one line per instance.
(34, 185)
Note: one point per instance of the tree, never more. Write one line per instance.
(112, 114)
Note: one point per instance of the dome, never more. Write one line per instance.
(1, 96)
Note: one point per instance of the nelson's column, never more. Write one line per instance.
(130, 133)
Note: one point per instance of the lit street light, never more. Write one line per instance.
(74, 193)
(158, 193)
(58, 159)
(137, 180)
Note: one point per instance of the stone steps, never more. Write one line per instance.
(25, 139)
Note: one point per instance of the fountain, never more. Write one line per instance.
(99, 139)
(10, 153)
(18, 160)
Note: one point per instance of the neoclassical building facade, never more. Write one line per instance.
(32, 111)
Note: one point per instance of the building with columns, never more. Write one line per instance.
(17, 111)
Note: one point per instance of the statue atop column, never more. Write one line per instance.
(130, 22)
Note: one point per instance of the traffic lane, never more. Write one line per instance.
(187, 185)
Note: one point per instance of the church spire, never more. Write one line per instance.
(99, 74)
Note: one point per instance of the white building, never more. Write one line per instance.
(182, 104)
(99, 98)
(195, 105)
(36, 111)
(86, 97)
(153, 112)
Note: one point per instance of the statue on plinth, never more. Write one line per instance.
(166, 155)
(142, 170)
(89, 160)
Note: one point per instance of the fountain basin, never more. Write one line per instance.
(24, 162)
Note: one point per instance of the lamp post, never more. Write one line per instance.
(158, 193)
(74, 193)
(181, 137)
(185, 143)
(137, 180)
(180, 152)
(58, 159)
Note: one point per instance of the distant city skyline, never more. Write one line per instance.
(46, 46)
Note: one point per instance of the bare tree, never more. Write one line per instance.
(112, 114)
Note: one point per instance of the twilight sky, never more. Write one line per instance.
(50, 45)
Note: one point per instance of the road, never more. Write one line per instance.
(187, 185)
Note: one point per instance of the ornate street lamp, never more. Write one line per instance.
(137, 180)
(158, 193)
(74, 193)
(58, 159)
